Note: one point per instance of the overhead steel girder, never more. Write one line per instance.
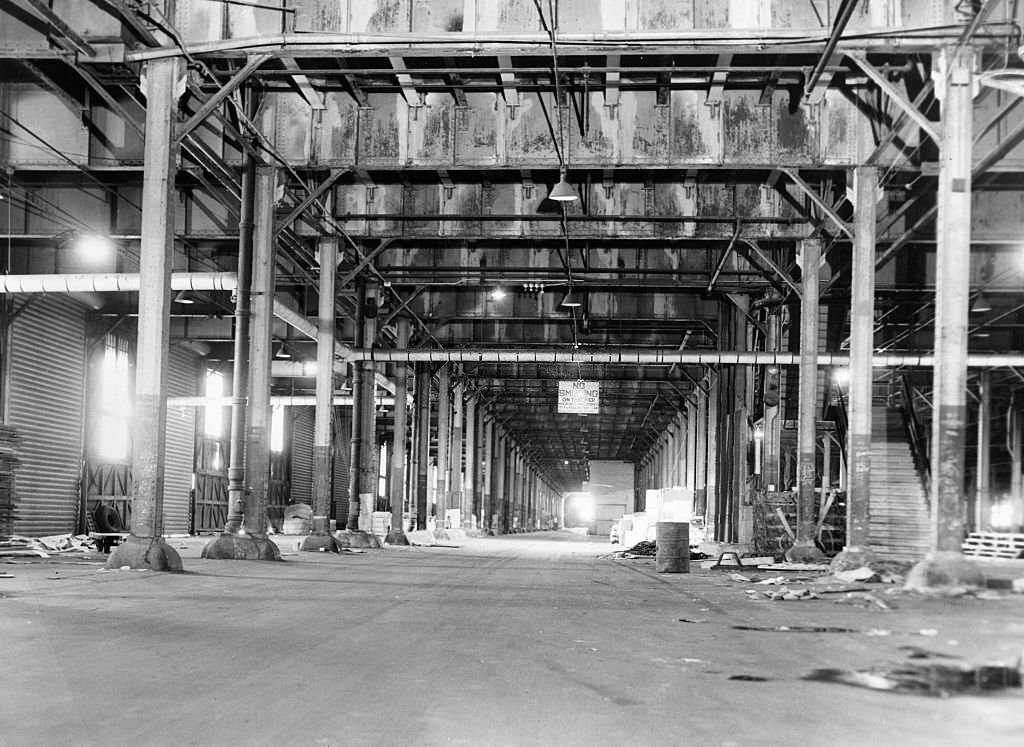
(933, 129)
(222, 93)
(663, 357)
(814, 197)
(77, 43)
(763, 257)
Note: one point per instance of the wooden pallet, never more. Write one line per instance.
(1006, 545)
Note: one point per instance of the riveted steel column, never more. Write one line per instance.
(422, 452)
(443, 478)
(398, 481)
(803, 549)
(949, 414)
(145, 548)
(862, 323)
(945, 566)
(358, 413)
(458, 442)
(240, 365)
(983, 507)
(323, 418)
(260, 355)
(487, 467)
(368, 451)
(469, 484)
(499, 500)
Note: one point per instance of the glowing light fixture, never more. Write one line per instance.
(497, 294)
(571, 300)
(981, 304)
(563, 191)
(93, 247)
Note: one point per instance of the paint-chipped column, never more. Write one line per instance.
(469, 483)
(862, 323)
(240, 364)
(145, 547)
(397, 483)
(487, 467)
(499, 500)
(983, 467)
(368, 451)
(442, 483)
(422, 451)
(320, 539)
(804, 550)
(700, 459)
(458, 442)
(251, 543)
(708, 465)
(944, 565)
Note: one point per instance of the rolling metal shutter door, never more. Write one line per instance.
(342, 445)
(182, 381)
(302, 454)
(47, 404)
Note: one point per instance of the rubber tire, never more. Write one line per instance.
(106, 519)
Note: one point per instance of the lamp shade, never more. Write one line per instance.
(571, 300)
(563, 191)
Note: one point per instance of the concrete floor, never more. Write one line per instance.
(523, 640)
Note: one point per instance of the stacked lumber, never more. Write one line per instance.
(9, 443)
(1005, 545)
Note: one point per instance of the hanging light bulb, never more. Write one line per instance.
(563, 191)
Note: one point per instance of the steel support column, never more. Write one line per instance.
(442, 482)
(469, 483)
(944, 565)
(983, 467)
(368, 451)
(804, 549)
(397, 486)
(422, 403)
(145, 547)
(323, 416)
(862, 323)
(455, 459)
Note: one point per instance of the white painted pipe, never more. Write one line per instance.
(101, 282)
(664, 357)
(282, 401)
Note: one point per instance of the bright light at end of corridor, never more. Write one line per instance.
(840, 376)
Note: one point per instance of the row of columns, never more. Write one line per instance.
(522, 496)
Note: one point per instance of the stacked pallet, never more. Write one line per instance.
(1005, 545)
(9, 443)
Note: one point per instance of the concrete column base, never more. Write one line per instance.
(853, 556)
(144, 553)
(319, 543)
(942, 571)
(356, 540)
(804, 552)
(396, 537)
(441, 535)
(241, 547)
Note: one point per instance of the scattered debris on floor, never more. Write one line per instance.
(934, 679)
(647, 549)
(795, 629)
(17, 545)
(684, 620)
(749, 678)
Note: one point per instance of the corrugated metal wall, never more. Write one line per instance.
(182, 381)
(302, 454)
(342, 445)
(47, 405)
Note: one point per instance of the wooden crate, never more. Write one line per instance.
(1004, 545)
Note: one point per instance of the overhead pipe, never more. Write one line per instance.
(101, 282)
(664, 357)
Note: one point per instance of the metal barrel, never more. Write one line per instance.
(673, 547)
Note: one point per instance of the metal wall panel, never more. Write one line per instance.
(182, 381)
(47, 405)
(41, 112)
(302, 453)
(342, 457)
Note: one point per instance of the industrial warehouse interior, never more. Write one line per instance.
(511, 372)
